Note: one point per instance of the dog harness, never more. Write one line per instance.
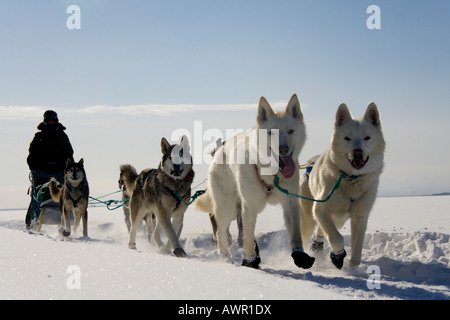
(178, 198)
(69, 194)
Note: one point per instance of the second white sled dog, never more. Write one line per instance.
(241, 173)
(356, 153)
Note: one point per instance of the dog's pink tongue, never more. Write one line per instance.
(289, 166)
(357, 163)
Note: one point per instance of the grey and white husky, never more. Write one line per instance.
(161, 194)
(72, 197)
(356, 152)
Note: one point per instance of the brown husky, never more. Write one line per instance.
(161, 193)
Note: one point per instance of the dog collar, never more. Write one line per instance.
(189, 177)
(351, 177)
(267, 189)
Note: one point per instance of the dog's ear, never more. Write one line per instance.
(165, 146)
(343, 115)
(264, 111)
(68, 162)
(184, 142)
(181, 153)
(294, 109)
(372, 115)
(81, 162)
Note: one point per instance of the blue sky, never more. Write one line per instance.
(201, 60)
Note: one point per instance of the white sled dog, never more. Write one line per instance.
(356, 154)
(242, 171)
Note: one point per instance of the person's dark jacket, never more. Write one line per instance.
(49, 149)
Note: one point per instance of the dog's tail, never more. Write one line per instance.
(129, 176)
(204, 202)
(55, 192)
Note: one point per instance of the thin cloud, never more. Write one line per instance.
(36, 112)
(158, 109)
(19, 112)
(33, 112)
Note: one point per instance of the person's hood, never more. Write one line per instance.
(43, 127)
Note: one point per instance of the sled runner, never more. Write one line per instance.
(42, 208)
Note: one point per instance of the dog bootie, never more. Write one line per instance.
(338, 258)
(302, 259)
(63, 232)
(179, 252)
(253, 261)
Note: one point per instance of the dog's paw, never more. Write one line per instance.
(226, 258)
(179, 252)
(63, 232)
(132, 246)
(252, 262)
(302, 259)
(317, 247)
(338, 258)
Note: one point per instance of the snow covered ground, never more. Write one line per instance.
(407, 248)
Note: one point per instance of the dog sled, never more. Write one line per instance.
(42, 208)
